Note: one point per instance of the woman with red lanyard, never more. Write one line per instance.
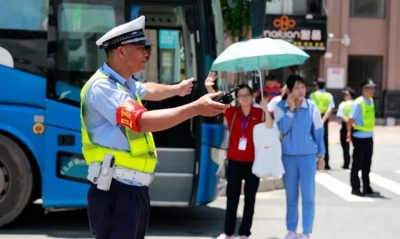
(241, 155)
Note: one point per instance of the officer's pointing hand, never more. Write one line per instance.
(205, 106)
(185, 87)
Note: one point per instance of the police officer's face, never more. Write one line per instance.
(369, 91)
(135, 57)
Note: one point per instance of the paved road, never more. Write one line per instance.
(338, 214)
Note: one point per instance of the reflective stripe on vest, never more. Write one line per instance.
(142, 156)
(322, 100)
(347, 107)
(368, 115)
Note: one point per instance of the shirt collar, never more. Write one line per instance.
(304, 104)
(321, 90)
(130, 83)
(368, 101)
(111, 73)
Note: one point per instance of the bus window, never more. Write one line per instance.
(170, 30)
(32, 16)
(172, 52)
(77, 57)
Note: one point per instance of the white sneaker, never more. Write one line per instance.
(303, 236)
(291, 235)
(224, 236)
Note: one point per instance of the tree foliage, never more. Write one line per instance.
(237, 19)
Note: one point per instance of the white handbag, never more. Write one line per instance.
(268, 152)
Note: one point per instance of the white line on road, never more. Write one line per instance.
(384, 183)
(339, 188)
(397, 171)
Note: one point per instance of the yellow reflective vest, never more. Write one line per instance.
(142, 156)
(322, 100)
(347, 107)
(368, 115)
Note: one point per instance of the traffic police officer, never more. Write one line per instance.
(360, 127)
(324, 101)
(343, 113)
(116, 139)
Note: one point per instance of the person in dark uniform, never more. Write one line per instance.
(343, 113)
(116, 140)
(326, 104)
(360, 130)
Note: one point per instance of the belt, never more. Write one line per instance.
(129, 174)
(121, 173)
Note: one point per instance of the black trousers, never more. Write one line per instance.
(362, 158)
(236, 172)
(345, 145)
(326, 142)
(122, 212)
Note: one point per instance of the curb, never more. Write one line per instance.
(266, 184)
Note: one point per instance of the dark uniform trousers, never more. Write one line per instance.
(326, 142)
(122, 212)
(345, 145)
(236, 172)
(362, 159)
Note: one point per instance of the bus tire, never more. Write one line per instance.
(16, 181)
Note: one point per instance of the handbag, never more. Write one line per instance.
(219, 154)
(268, 152)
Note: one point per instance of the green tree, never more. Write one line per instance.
(237, 22)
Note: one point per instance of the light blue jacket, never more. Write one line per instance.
(302, 130)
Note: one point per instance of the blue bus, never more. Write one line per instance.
(47, 53)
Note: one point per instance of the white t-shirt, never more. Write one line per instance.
(272, 104)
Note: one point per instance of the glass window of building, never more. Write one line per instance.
(367, 8)
(295, 7)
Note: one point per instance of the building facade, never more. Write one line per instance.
(347, 40)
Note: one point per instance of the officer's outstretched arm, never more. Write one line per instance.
(137, 118)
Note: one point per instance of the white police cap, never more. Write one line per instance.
(131, 32)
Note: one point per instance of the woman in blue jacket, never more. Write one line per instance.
(300, 124)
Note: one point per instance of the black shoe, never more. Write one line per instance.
(357, 192)
(370, 191)
(327, 167)
(345, 167)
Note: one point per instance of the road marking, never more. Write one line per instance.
(339, 188)
(397, 171)
(384, 183)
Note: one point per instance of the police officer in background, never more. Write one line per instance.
(116, 138)
(360, 127)
(326, 104)
(343, 113)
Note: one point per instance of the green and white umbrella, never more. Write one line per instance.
(259, 54)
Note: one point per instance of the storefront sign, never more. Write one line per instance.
(308, 34)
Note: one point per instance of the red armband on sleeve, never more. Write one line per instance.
(128, 113)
